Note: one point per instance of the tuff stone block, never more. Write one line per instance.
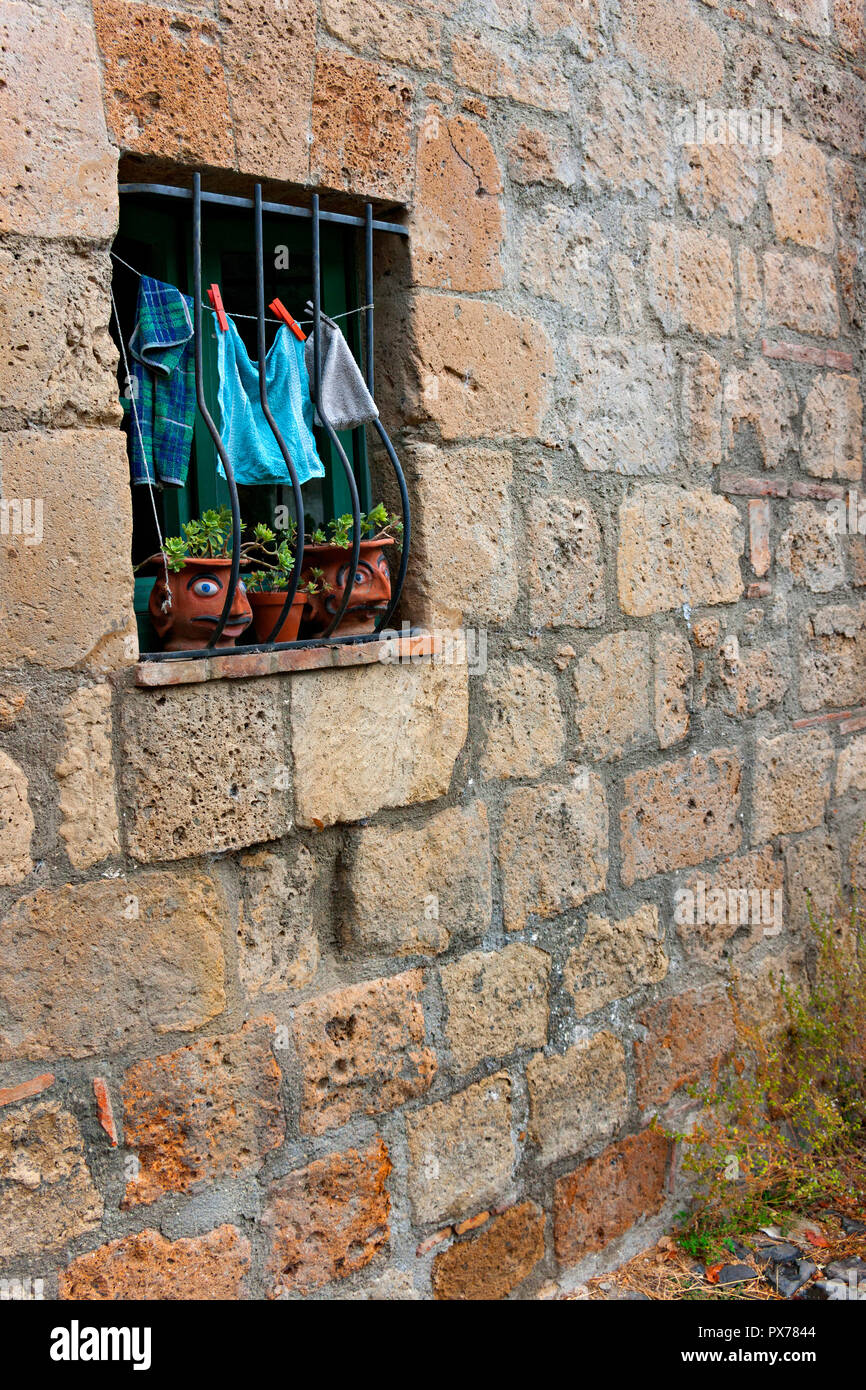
(687, 1035)
(799, 195)
(47, 1196)
(461, 1152)
(361, 1050)
(67, 597)
(52, 125)
(624, 399)
(89, 822)
(701, 408)
(401, 34)
(526, 731)
(165, 88)
(48, 377)
(673, 673)
(757, 680)
(563, 256)
(463, 543)
(722, 914)
(478, 370)
(260, 43)
(614, 959)
(677, 547)
(439, 894)
(566, 564)
(553, 848)
(149, 1267)
(792, 783)
(16, 823)
(691, 281)
(278, 948)
(497, 1002)
(800, 293)
(714, 177)
(814, 876)
(832, 445)
(680, 813)
(832, 656)
(85, 968)
(809, 551)
(534, 157)
(600, 1200)
(493, 1263)
(206, 1111)
(578, 1098)
(611, 685)
(458, 222)
(408, 723)
(627, 144)
(672, 44)
(202, 768)
(497, 69)
(328, 1220)
(361, 127)
(760, 398)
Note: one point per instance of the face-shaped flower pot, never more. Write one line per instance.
(198, 593)
(371, 590)
(267, 608)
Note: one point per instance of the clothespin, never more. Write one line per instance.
(215, 298)
(278, 308)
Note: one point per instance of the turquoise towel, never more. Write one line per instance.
(254, 452)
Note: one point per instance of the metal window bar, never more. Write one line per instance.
(369, 224)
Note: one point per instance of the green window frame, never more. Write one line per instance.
(157, 241)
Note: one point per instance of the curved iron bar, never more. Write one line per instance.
(397, 587)
(206, 416)
(328, 427)
(266, 411)
(368, 297)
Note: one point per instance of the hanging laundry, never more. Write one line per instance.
(163, 384)
(342, 389)
(255, 454)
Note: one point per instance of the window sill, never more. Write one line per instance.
(154, 674)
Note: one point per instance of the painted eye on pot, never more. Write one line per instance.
(206, 588)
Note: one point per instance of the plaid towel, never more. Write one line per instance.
(163, 384)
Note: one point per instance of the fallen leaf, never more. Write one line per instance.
(815, 1238)
(713, 1272)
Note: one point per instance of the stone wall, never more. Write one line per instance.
(367, 983)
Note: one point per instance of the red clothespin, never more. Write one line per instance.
(278, 308)
(216, 300)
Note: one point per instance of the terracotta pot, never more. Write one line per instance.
(266, 609)
(198, 593)
(371, 590)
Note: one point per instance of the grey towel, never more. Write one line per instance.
(345, 398)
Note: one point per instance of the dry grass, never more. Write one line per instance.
(666, 1273)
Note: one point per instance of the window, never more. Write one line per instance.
(155, 237)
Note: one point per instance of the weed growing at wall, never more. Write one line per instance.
(784, 1130)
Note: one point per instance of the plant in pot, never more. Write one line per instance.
(268, 583)
(327, 561)
(185, 605)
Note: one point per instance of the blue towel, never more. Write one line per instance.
(254, 453)
(163, 384)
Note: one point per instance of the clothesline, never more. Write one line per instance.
(348, 313)
(164, 389)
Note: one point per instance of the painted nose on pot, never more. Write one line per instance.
(240, 608)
